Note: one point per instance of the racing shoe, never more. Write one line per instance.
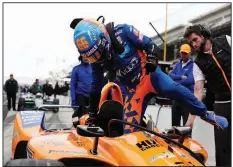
(216, 120)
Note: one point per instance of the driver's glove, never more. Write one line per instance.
(153, 55)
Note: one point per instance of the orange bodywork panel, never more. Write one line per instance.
(116, 93)
(134, 149)
(23, 130)
(127, 150)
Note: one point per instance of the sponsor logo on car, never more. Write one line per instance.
(31, 118)
(147, 144)
(161, 155)
(67, 151)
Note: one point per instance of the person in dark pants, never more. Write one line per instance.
(47, 89)
(56, 90)
(81, 79)
(11, 88)
(67, 87)
(213, 63)
(183, 74)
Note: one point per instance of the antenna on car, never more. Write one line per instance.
(103, 19)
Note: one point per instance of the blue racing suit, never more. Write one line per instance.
(129, 68)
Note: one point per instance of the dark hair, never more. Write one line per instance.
(192, 29)
(199, 30)
(80, 58)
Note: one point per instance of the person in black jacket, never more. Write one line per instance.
(213, 63)
(36, 87)
(47, 89)
(65, 88)
(57, 90)
(11, 88)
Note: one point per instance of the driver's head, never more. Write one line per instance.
(37, 81)
(47, 81)
(197, 36)
(92, 40)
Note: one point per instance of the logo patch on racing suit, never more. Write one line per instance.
(133, 63)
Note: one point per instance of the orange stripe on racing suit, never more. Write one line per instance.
(133, 106)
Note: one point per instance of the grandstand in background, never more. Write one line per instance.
(218, 21)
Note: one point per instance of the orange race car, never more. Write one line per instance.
(103, 143)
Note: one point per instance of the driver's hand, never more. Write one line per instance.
(150, 67)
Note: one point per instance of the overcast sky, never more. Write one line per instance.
(37, 37)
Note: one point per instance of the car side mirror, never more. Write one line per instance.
(182, 130)
(90, 131)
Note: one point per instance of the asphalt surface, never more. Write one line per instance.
(202, 131)
(5, 110)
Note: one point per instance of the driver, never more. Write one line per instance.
(128, 55)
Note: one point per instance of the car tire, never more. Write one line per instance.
(21, 104)
(33, 162)
(56, 102)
